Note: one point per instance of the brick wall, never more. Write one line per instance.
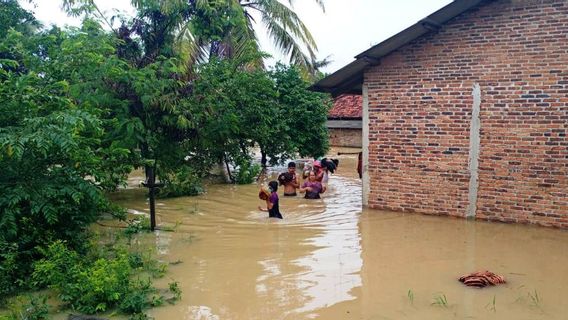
(345, 137)
(420, 104)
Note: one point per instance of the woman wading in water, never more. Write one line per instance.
(312, 187)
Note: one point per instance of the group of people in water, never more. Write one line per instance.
(315, 183)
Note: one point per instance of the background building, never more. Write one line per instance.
(465, 113)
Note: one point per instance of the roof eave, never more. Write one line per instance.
(349, 79)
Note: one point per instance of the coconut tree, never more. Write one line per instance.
(221, 28)
(287, 32)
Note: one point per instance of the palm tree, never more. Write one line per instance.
(177, 18)
(284, 27)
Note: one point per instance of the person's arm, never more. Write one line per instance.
(269, 206)
(303, 188)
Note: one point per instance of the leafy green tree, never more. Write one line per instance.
(150, 82)
(303, 116)
(12, 16)
(243, 108)
(55, 155)
(237, 109)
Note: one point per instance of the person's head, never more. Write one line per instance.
(292, 167)
(312, 176)
(273, 185)
(336, 162)
(317, 165)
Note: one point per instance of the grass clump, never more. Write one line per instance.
(440, 300)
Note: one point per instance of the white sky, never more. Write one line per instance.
(347, 28)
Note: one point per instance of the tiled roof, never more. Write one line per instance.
(346, 106)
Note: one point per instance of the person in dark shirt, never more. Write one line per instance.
(272, 201)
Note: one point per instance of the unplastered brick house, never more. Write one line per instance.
(465, 113)
(344, 121)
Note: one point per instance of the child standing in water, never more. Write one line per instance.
(272, 206)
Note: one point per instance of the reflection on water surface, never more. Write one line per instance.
(329, 259)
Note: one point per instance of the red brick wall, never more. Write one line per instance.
(345, 137)
(420, 104)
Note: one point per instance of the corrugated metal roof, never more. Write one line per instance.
(349, 79)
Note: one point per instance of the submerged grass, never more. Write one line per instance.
(534, 298)
(410, 296)
(440, 300)
(492, 305)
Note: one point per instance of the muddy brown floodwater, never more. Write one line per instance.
(331, 259)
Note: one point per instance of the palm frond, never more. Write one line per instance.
(288, 45)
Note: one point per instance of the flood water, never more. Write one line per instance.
(331, 259)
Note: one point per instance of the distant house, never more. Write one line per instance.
(465, 113)
(344, 121)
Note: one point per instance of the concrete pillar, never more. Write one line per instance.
(474, 147)
(365, 147)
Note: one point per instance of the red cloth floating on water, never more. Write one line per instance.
(481, 279)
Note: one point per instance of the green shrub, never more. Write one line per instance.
(28, 308)
(8, 267)
(136, 299)
(97, 286)
(184, 182)
(247, 171)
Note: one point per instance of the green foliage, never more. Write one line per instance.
(247, 172)
(303, 114)
(174, 288)
(181, 182)
(136, 226)
(98, 284)
(215, 19)
(9, 279)
(136, 299)
(13, 16)
(28, 308)
(240, 108)
(56, 157)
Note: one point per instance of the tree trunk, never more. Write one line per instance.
(228, 169)
(263, 158)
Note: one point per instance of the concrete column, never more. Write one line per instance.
(365, 167)
(474, 146)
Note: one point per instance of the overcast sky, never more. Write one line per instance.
(347, 28)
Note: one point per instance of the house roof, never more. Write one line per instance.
(346, 106)
(349, 79)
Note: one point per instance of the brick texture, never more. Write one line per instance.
(345, 137)
(420, 104)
